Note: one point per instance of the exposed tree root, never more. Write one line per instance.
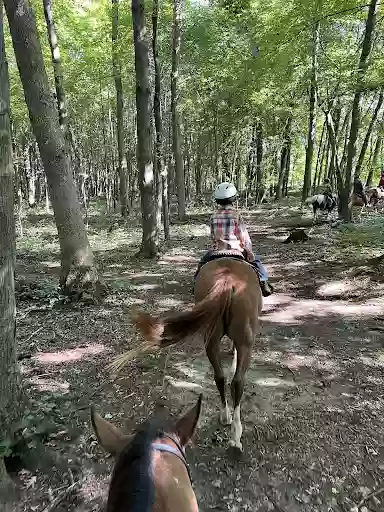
(83, 284)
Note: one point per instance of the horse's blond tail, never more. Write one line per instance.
(202, 318)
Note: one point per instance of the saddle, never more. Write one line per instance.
(230, 253)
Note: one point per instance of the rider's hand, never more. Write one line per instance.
(249, 255)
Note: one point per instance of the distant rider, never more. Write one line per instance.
(381, 182)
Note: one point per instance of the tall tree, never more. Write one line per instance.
(56, 64)
(355, 117)
(311, 117)
(285, 150)
(159, 167)
(260, 185)
(9, 375)
(77, 263)
(373, 163)
(116, 65)
(367, 137)
(176, 137)
(150, 240)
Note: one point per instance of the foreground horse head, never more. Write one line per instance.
(151, 472)
(228, 301)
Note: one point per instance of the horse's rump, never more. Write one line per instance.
(224, 288)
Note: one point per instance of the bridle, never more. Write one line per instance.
(178, 451)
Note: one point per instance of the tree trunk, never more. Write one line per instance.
(251, 160)
(367, 137)
(287, 168)
(311, 118)
(355, 118)
(116, 66)
(159, 168)
(283, 157)
(9, 373)
(149, 246)
(343, 199)
(330, 173)
(177, 154)
(375, 158)
(260, 187)
(320, 156)
(77, 264)
(56, 64)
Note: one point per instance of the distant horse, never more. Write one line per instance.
(228, 301)
(151, 472)
(323, 203)
(374, 195)
(358, 203)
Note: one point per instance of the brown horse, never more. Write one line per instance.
(357, 204)
(228, 301)
(151, 472)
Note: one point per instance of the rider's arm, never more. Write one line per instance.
(213, 234)
(212, 228)
(244, 235)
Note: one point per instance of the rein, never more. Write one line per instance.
(178, 451)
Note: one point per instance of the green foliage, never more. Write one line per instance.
(241, 60)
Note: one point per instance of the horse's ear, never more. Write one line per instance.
(110, 437)
(186, 425)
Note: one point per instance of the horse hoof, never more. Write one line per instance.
(234, 444)
(225, 417)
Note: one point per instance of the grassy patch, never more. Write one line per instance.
(360, 241)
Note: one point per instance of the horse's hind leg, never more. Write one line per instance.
(244, 352)
(213, 353)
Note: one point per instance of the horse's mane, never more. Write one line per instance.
(132, 488)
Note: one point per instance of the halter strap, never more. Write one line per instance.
(178, 451)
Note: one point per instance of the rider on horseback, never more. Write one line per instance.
(381, 182)
(229, 233)
(327, 188)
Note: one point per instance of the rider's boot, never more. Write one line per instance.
(266, 288)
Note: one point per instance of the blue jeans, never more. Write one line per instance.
(256, 264)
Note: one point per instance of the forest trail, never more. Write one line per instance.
(313, 405)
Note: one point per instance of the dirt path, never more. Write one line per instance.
(313, 406)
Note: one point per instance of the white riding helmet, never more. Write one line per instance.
(225, 190)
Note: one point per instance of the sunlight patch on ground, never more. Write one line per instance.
(297, 310)
(51, 264)
(377, 362)
(132, 301)
(335, 288)
(297, 264)
(182, 384)
(52, 385)
(70, 355)
(177, 258)
(375, 380)
(141, 275)
(169, 303)
(295, 361)
(196, 370)
(273, 382)
(144, 287)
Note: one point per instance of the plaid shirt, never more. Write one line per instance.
(228, 231)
